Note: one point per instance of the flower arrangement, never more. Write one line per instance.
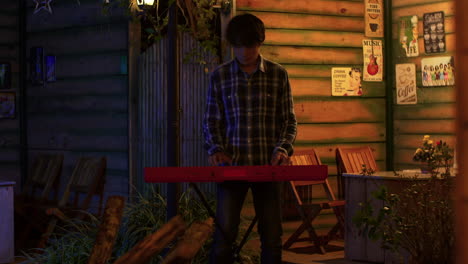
(435, 155)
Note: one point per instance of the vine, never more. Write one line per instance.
(200, 18)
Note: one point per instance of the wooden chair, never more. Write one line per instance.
(309, 210)
(351, 160)
(43, 179)
(44, 176)
(87, 180)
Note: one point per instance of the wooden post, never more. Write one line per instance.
(461, 201)
(108, 230)
(154, 243)
(188, 247)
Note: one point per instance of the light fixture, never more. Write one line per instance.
(145, 2)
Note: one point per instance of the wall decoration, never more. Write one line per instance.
(42, 4)
(438, 71)
(346, 81)
(434, 32)
(406, 83)
(408, 28)
(37, 65)
(374, 26)
(7, 105)
(5, 75)
(373, 60)
(50, 68)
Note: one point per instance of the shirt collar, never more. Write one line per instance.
(261, 66)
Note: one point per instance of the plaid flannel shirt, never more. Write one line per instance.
(249, 117)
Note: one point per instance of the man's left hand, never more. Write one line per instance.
(280, 158)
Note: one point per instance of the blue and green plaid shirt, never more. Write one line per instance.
(249, 117)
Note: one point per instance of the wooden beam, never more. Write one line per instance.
(188, 247)
(154, 243)
(108, 230)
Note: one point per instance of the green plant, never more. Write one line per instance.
(418, 219)
(435, 155)
(198, 17)
(75, 239)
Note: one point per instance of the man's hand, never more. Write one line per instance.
(280, 158)
(219, 158)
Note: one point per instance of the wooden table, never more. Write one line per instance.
(358, 189)
(6, 222)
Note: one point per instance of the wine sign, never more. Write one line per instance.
(406, 83)
(374, 18)
(434, 32)
(408, 28)
(373, 60)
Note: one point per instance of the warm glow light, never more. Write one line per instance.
(145, 2)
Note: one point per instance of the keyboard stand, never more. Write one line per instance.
(235, 248)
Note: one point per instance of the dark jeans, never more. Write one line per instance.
(266, 197)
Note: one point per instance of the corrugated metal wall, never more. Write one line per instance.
(152, 118)
(434, 114)
(10, 128)
(85, 112)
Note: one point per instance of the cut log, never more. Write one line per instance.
(188, 247)
(154, 243)
(108, 230)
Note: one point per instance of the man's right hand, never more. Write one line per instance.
(219, 158)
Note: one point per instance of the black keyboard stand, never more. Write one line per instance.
(236, 249)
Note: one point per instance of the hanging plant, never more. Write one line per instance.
(197, 17)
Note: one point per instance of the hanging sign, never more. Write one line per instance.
(373, 60)
(438, 71)
(434, 32)
(406, 83)
(408, 28)
(346, 81)
(374, 18)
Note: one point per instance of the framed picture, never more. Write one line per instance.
(438, 71)
(434, 32)
(5, 75)
(7, 104)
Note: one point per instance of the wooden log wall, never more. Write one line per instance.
(309, 38)
(85, 112)
(434, 114)
(10, 128)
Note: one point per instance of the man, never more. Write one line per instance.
(249, 120)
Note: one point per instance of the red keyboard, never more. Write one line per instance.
(236, 173)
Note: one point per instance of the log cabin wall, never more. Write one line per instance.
(10, 127)
(434, 113)
(85, 111)
(309, 38)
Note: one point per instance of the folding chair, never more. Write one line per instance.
(88, 179)
(309, 210)
(351, 160)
